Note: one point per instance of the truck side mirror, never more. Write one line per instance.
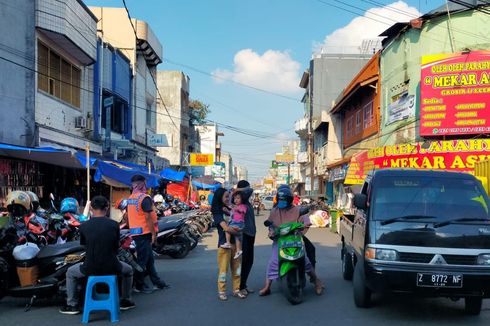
(360, 201)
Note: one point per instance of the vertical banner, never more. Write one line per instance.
(455, 94)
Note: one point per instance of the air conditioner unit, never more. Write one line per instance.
(80, 122)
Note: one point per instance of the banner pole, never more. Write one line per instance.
(87, 165)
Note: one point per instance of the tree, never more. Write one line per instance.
(198, 111)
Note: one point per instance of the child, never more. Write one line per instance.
(238, 222)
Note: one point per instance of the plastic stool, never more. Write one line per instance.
(101, 301)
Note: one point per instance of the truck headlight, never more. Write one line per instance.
(381, 254)
(483, 259)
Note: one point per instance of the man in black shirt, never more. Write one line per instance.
(100, 236)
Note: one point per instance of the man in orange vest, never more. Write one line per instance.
(143, 227)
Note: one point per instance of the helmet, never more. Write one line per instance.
(170, 198)
(121, 204)
(18, 202)
(34, 200)
(284, 196)
(69, 205)
(158, 198)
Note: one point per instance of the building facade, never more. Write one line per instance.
(324, 80)
(173, 116)
(47, 73)
(144, 51)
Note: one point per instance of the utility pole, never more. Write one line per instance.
(310, 131)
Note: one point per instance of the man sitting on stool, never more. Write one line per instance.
(100, 236)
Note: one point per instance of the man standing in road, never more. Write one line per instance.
(100, 236)
(143, 227)
(248, 237)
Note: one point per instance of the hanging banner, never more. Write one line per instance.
(452, 155)
(454, 94)
(198, 159)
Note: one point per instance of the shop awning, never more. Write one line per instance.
(173, 175)
(119, 174)
(46, 155)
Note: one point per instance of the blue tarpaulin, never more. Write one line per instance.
(172, 175)
(205, 186)
(48, 155)
(119, 174)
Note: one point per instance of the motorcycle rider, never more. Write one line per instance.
(257, 203)
(100, 236)
(285, 212)
(143, 226)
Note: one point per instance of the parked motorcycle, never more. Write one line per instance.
(170, 238)
(291, 251)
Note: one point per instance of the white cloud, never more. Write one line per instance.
(347, 39)
(275, 71)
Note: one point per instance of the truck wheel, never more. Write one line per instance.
(362, 295)
(347, 268)
(472, 305)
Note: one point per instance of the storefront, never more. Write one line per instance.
(451, 155)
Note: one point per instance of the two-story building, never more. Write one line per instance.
(47, 73)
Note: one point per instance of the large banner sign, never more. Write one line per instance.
(453, 155)
(455, 94)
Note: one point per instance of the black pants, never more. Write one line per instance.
(145, 259)
(247, 259)
(310, 251)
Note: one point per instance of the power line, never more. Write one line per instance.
(230, 80)
(152, 77)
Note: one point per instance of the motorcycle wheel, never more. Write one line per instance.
(4, 277)
(185, 248)
(294, 288)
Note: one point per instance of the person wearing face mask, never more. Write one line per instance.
(285, 212)
(143, 227)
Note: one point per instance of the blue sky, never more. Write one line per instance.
(265, 44)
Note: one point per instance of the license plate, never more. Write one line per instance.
(439, 280)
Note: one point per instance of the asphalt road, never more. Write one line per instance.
(192, 300)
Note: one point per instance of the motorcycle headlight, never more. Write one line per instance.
(381, 254)
(483, 259)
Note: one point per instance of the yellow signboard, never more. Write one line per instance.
(198, 159)
(284, 158)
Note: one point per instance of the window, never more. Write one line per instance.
(148, 115)
(358, 122)
(368, 115)
(57, 76)
(119, 114)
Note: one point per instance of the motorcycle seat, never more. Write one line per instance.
(60, 249)
(167, 225)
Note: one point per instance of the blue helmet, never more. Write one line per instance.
(284, 196)
(69, 205)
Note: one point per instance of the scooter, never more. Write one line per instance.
(291, 251)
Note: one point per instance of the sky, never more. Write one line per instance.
(226, 45)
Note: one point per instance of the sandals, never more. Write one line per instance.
(265, 292)
(222, 296)
(319, 287)
(239, 294)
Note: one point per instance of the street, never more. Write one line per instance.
(192, 298)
